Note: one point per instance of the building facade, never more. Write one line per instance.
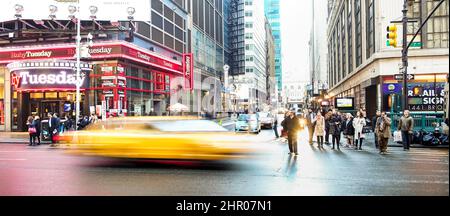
(248, 42)
(208, 48)
(273, 13)
(318, 48)
(271, 84)
(128, 72)
(362, 66)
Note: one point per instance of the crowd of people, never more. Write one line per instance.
(324, 124)
(55, 126)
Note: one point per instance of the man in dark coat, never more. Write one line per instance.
(292, 125)
(335, 129)
(53, 126)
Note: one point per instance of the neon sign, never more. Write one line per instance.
(41, 79)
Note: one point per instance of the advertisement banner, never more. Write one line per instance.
(188, 69)
(421, 96)
(103, 10)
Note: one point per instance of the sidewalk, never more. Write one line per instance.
(14, 137)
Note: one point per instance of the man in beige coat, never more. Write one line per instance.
(383, 129)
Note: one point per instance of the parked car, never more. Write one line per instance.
(248, 123)
(267, 120)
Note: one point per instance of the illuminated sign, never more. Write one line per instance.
(188, 68)
(345, 103)
(42, 75)
(423, 96)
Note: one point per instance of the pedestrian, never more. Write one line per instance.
(358, 123)
(319, 128)
(335, 129)
(52, 127)
(31, 130)
(349, 130)
(68, 123)
(383, 130)
(37, 125)
(310, 124)
(275, 127)
(406, 126)
(284, 133)
(327, 126)
(292, 126)
(374, 125)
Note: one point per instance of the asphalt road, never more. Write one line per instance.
(43, 171)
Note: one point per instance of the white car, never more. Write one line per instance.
(267, 119)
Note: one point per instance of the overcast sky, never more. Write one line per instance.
(296, 18)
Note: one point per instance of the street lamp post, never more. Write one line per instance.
(78, 83)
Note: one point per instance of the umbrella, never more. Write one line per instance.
(178, 108)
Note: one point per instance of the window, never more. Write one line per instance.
(358, 33)
(248, 13)
(168, 27)
(157, 20)
(350, 36)
(249, 25)
(157, 6)
(370, 28)
(343, 44)
(437, 27)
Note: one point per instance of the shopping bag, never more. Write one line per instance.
(398, 136)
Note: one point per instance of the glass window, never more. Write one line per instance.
(437, 27)
(370, 28)
(358, 32)
(157, 20)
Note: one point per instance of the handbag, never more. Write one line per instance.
(398, 136)
(32, 130)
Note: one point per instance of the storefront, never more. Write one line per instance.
(123, 78)
(425, 93)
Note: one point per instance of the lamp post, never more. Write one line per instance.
(78, 54)
(405, 54)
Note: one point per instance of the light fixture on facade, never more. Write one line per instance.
(19, 9)
(53, 9)
(72, 10)
(131, 11)
(93, 9)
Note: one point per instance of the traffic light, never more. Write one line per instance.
(392, 35)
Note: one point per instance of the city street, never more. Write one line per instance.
(43, 171)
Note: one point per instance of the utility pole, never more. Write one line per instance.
(405, 55)
(78, 80)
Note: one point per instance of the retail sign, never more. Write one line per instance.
(99, 51)
(423, 96)
(114, 10)
(188, 69)
(47, 79)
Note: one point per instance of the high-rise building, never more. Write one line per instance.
(272, 11)
(362, 66)
(271, 88)
(318, 48)
(248, 43)
(208, 49)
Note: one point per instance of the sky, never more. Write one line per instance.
(296, 18)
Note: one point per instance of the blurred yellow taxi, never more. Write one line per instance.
(178, 138)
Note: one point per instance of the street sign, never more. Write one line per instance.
(416, 44)
(399, 77)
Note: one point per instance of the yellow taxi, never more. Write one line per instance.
(178, 138)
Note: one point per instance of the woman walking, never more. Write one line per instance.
(31, 130)
(37, 125)
(349, 130)
(358, 123)
(319, 128)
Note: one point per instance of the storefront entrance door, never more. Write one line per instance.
(50, 106)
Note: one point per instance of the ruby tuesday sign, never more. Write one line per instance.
(49, 77)
(99, 51)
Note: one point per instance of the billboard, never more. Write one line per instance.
(108, 10)
(345, 103)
